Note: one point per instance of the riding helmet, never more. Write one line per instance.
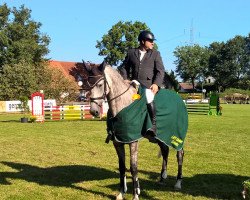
(144, 35)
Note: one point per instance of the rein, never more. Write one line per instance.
(104, 96)
(119, 95)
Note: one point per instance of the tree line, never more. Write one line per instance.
(24, 67)
(227, 62)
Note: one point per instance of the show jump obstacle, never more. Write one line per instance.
(37, 100)
(66, 112)
(211, 108)
(79, 112)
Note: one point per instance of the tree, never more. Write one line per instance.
(24, 106)
(57, 86)
(192, 62)
(244, 83)
(120, 38)
(17, 80)
(22, 51)
(229, 62)
(170, 81)
(217, 68)
(238, 58)
(21, 39)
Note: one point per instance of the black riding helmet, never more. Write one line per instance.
(146, 35)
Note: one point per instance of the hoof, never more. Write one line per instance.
(164, 175)
(120, 196)
(244, 193)
(163, 178)
(177, 185)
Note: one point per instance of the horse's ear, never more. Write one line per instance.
(102, 66)
(86, 66)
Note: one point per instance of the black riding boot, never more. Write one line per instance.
(152, 114)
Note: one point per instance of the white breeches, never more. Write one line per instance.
(149, 96)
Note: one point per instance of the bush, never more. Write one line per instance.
(231, 91)
(33, 119)
(233, 95)
(24, 105)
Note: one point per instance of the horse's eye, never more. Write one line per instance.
(99, 85)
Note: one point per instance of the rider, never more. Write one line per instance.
(145, 65)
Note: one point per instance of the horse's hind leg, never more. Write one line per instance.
(120, 150)
(133, 168)
(164, 152)
(180, 157)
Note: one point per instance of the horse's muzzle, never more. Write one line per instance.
(94, 112)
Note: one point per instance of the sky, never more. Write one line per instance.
(75, 26)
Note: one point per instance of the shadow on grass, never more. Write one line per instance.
(215, 186)
(56, 121)
(12, 120)
(60, 176)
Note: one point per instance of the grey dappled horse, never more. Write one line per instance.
(105, 83)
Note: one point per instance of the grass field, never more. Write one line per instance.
(69, 160)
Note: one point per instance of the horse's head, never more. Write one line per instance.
(93, 80)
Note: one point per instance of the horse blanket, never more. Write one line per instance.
(132, 122)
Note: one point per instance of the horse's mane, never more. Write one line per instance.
(114, 73)
(118, 86)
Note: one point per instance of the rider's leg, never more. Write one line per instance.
(152, 111)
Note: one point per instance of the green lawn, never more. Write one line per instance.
(69, 160)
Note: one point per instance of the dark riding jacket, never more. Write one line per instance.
(148, 71)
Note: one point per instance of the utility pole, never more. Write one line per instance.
(191, 34)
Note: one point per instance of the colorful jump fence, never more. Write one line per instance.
(67, 112)
(211, 108)
(198, 108)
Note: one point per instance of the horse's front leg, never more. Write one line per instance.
(133, 169)
(120, 150)
(164, 152)
(180, 157)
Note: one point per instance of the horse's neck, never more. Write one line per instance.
(117, 87)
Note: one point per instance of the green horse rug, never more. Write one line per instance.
(132, 122)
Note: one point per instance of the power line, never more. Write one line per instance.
(173, 38)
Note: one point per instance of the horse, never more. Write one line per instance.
(104, 83)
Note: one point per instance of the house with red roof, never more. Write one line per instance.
(187, 87)
(67, 68)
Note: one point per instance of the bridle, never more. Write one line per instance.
(91, 86)
(104, 95)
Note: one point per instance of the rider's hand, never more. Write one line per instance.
(154, 88)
